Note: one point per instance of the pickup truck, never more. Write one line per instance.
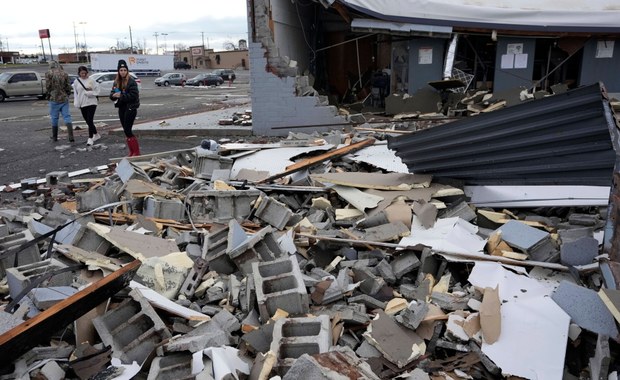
(22, 83)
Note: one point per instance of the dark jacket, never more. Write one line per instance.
(130, 97)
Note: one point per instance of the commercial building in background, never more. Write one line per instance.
(338, 48)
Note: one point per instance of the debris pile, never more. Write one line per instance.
(316, 257)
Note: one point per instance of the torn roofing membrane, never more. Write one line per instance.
(547, 15)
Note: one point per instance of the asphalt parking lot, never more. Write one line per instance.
(27, 152)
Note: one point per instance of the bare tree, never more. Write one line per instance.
(229, 45)
(181, 47)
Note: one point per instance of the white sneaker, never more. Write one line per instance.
(96, 137)
(89, 142)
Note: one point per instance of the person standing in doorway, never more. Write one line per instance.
(126, 97)
(85, 92)
(58, 90)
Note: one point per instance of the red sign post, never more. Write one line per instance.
(45, 33)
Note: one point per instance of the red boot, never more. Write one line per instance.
(134, 148)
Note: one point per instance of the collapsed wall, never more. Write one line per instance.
(280, 96)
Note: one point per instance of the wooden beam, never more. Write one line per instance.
(303, 164)
(40, 328)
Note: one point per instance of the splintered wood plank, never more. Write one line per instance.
(40, 328)
(303, 164)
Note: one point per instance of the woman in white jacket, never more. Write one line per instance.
(85, 91)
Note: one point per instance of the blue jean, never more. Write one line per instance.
(57, 108)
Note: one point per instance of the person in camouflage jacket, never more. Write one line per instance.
(58, 90)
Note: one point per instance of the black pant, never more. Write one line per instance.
(88, 113)
(127, 117)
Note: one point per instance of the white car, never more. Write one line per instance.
(106, 81)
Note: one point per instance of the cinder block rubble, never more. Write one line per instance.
(279, 285)
(133, 329)
(293, 337)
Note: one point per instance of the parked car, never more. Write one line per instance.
(226, 74)
(106, 81)
(205, 80)
(176, 79)
(22, 83)
(182, 65)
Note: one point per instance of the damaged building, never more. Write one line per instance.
(313, 58)
(466, 250)
(473, 235)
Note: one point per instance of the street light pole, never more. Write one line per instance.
(156, 44)
(85, 46)
(165, 42)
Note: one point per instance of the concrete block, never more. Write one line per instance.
(12, 243)
(293, 337)
(413, 315)
(259, 340)
(206, 162)
(172, 176)
(54, 178)
(371, 284)
(571, 234)
(127, 170)
(521, 236)
(367, 350)
(133, 329)
(194, 277)
(279, 285)
(273, 212)
(585, 308)
(221, 205)
(214, 250)
(93, 198)
(584, 219)
(404, 263)
(89, 240)
(579, 252)
(44, 298)
(20, 277)
(386, 272)
(176, 365)
(368, 301)
(163, 208)
(245, 249)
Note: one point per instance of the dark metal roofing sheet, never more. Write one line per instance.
(565, 139)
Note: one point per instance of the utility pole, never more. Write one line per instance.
(156, 44)
(203, 40)
(77, 54)
(130, 40)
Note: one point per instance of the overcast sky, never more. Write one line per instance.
(106, 24)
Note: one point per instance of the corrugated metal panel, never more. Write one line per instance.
(564, 139)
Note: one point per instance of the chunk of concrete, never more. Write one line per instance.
(586, 309)
(581, 251)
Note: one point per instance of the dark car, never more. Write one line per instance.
(205, 80)
(226, 74)
(182, 65)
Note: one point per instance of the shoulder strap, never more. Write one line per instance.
(78, 79)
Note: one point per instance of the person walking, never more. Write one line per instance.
(126, 97)
(85, 92)
(58, 90)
